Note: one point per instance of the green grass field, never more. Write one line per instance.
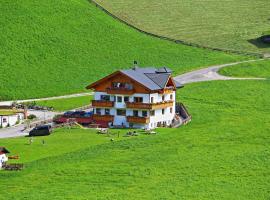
(67, 103)
(260, 69)
(6, 112)
(53, 48)
(222, 154)
(230, 24)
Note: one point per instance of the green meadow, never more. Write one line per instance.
(259, 69)
(230, 24)
(58, 47)
(51, 48)
(222, 154)
(66, 103)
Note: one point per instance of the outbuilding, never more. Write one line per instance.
(3, 156)
(10, 117)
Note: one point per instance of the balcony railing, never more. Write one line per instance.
(120, 91)
(107, 118)
(101, 103)
(150, 106)
(141, 120)
(168, 90)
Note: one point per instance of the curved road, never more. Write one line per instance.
(206, 74)
(210, 74)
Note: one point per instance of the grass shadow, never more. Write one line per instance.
(258, 42)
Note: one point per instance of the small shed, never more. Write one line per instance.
(10, 117)
(3, 156)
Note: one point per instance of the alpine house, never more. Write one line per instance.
(136, 98)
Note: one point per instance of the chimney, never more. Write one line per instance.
(135, 66)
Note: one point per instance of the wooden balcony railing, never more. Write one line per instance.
(150, 106)
(141, 120)
(166, 91)
(120, 91)
(107, 118)
(100, 103)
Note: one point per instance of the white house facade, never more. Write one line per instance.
(11, 119)
(3, 156)
(136, 98)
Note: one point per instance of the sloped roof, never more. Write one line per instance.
(177, 84)
(159, 79)
(150, 77)
(3, 150)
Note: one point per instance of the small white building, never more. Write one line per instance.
(136, 98)
(10, 117)
(3, 156)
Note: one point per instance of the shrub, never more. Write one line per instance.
(32, 116)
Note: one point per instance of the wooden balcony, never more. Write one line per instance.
(149, 106)
(120, 91)
(140, 120)
(100, 103)
(166, 91)
(106, 118)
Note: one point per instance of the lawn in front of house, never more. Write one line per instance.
(222, 154)
(61, 141)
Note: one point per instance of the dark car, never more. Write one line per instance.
(41, 130)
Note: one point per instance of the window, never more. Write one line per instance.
(152, 99)
(105, 97)
(144, 113)
(4, 120)
(152, 112)
(171, 110)
(119, 99)
(121, 112)
(107, 111)
(126, 99)
(163, 111)
(138, 99)
(135, 113)
(171, 97)
(125, 86)
(163, 97)
(98, 111)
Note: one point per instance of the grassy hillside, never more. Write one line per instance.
(260, 69)
(222, 154)
(66, 103)
(230, 24)
(57, 47)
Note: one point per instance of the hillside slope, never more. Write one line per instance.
(57, 47)
(230, 24)
(222, 154)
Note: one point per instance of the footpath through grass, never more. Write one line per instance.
(222, 154)
(51, 48)
(230, 24)
(260, 69)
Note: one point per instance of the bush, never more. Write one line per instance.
(32, 116)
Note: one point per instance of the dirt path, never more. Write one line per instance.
(210, 74)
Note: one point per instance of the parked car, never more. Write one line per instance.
(41, 130)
